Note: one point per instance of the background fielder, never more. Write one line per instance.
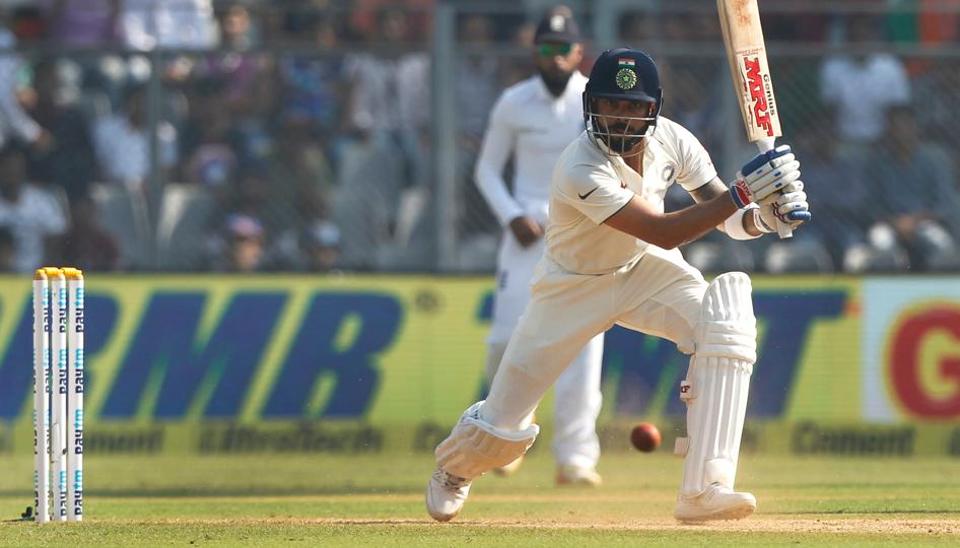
(611, 258)
(534, 121)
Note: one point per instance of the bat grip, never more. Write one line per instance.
(783, 229)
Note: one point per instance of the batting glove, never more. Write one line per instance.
(789, 206)
(765, 174)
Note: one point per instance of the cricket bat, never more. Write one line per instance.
(747, 57)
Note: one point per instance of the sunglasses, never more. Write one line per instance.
(552, 50)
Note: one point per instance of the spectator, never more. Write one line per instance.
(69, 160)
(83, 23)
(175, 24)
(936, 90)
(915, 185)
(519, 69)
(382, 168)
(300, 174)
(237, 31)
(240, 246)
(313, 85)
(15, 123)
(841, 195)
(477, 77)
(239, 84)
(33, 215)
(311, 238)
(321, 246)
(88, 245)
(245, 194)
(391, 94)
(208, 137)
(243, 74)
(313, 248)
(146, 25)
(366, 16)
(861, 86)
(122, 142)
(697, 102)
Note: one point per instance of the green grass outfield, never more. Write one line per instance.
(378, 500)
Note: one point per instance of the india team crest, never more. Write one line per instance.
(626, 78)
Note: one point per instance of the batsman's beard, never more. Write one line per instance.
(621, 141)
(624, 146)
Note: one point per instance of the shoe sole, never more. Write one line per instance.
(563, 482)
(439, 517)
(442, 519)
(737, 512)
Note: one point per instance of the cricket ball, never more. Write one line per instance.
(645, 437)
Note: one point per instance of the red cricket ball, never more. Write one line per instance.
(645, 437)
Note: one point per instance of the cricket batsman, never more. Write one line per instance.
(611, 258)
(534, 121)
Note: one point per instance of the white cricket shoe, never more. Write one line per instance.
(584, 476)
(509, 469)
(715, 502)
(446, 494)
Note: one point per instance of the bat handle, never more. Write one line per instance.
(783, 229)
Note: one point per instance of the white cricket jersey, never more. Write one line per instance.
(588, 187)
(536, 127)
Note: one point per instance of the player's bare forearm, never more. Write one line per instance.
(669, 230)
(716, 188)
(709, 191)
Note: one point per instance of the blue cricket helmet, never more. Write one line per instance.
(622, 74)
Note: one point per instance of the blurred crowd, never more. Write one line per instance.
(247, 135)
(872, 131)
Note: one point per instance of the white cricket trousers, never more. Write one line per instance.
(658, 295)
(578, 397)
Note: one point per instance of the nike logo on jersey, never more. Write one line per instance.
(584, 196)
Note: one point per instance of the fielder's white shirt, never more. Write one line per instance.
(535, 126)
(588, 187)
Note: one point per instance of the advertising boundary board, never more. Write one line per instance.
(168, 356)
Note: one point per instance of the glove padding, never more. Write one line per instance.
(764, 175)
(789, 206)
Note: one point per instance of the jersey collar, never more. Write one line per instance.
(648, 154)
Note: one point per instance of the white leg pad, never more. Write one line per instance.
(717, 384)
(475, 447)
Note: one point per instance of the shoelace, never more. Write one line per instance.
(715, 489)
(450, 481)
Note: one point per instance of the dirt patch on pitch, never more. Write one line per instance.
(762, 524)
(755, 524)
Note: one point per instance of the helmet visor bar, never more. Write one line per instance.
(620, 133)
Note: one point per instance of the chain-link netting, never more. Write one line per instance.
(243, 136)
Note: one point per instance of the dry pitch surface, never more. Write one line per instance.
(377, 500)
